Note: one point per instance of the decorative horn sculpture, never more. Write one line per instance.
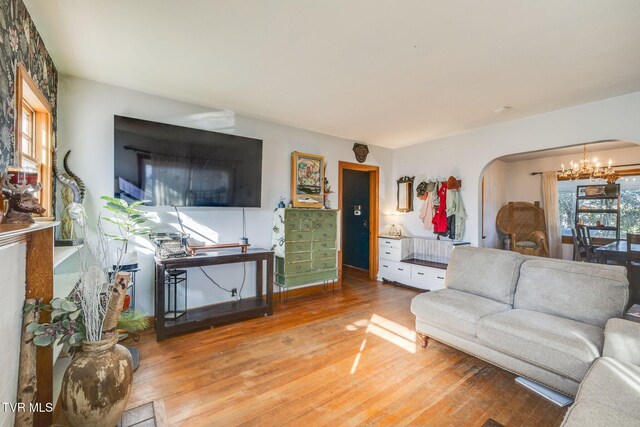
(72, 197)
(69, 179)
(35, 188)
(76, 178)
(17, 188)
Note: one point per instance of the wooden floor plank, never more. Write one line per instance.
(343, 358)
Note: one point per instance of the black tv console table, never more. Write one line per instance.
(214, 314)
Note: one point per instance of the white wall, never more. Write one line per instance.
(466, 155)
(85, 125)
(12, 282)
(496, 180)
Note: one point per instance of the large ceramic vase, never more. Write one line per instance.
(97, 383)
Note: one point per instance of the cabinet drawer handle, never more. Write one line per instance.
(440, 277)
(420, 274)
(388, 253)
(386, 266)
(400, 269)
(387, 242)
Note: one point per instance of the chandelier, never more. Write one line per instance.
(588, 168)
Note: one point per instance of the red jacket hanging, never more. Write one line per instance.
(440, 218)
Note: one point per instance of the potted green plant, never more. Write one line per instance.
(130, 222)
(87, 320)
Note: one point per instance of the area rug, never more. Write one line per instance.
(491, 423)
(148, 415)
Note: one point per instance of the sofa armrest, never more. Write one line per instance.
(622, 340)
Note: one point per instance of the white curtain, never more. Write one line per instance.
(552, 213)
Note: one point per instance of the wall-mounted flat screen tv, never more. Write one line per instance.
(178, 166)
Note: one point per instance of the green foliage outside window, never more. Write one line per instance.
(629, 210)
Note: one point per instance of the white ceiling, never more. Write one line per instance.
(392, 72)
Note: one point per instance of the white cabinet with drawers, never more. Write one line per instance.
(394, 249)
(426, 277)
(400, 262)
(388, 269)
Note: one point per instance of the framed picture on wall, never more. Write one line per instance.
(307, 180)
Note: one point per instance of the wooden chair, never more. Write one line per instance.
(633, 268)
(524, 223)
(579, 250)
(584, 237)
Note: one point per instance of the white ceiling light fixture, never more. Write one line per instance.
(503, 109)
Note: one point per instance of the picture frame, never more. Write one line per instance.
(307, 180)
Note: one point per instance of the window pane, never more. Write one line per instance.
(26, 145)
(27, 121)
(567, 210)
(28, 164)
(629, 207)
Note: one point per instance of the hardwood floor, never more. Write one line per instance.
(349, 358)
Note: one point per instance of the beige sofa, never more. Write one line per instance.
(543, 319)
(609, 395)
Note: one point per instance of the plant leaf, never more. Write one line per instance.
(69, 306)
(43, 340)
(116, 207)
(113, 220)
(109, 199)
(33, 326)
(57, 313)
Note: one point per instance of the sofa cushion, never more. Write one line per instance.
(560, 345)
(622, 341)
(490, 273)
(583, 414)
(589, 293)
(612, 383)
(454, 310)
(527, 244)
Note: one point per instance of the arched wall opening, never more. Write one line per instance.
(509, 178)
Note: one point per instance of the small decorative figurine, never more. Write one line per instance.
(22, 202)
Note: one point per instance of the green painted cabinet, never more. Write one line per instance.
(305, 245)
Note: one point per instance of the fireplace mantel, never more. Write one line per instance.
(38, 275)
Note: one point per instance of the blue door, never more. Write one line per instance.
(355, 214)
